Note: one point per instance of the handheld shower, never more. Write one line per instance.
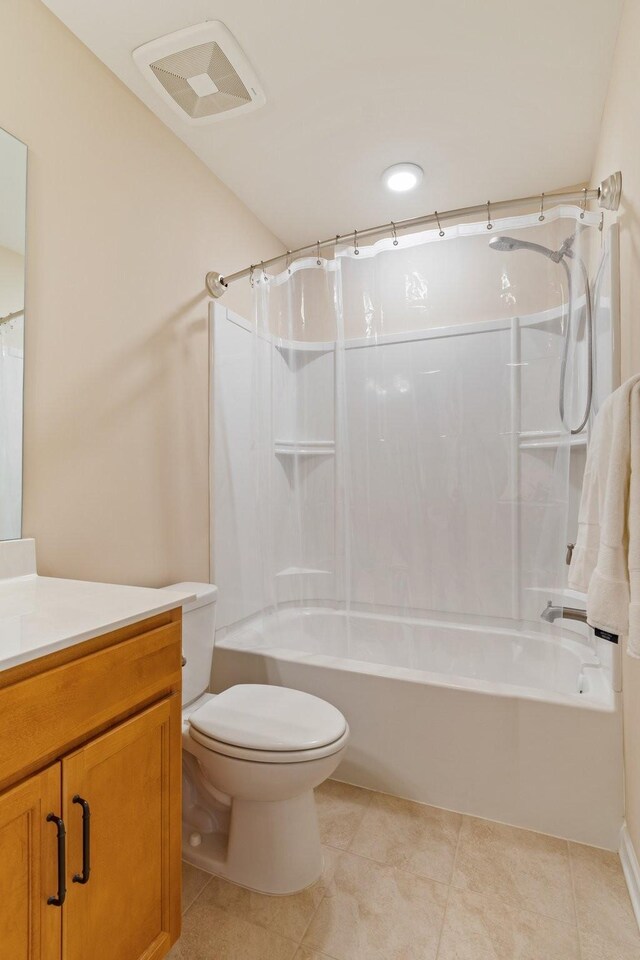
(509, 244)
(565, 252)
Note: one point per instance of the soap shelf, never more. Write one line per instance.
(302, 572)
(304, 448)
(550, 440)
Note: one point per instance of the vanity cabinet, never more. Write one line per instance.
(124, 909)
(90, 824)
(29, 928)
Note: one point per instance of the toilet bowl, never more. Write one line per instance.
(252, 757)
(262, 749)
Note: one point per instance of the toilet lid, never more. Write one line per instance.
(260, 717)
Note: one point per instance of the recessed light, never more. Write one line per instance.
(402, 177)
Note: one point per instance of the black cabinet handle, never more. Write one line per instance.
(62, 861)
(86, 840)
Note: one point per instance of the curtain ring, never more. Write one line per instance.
(264, 273)
(584, 204)
(440, 230)
(489, 224)
(355, 243)
(251, 269)
(318, 261)
(395, 235)
(541, 217)
(289, 262)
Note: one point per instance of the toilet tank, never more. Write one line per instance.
(198, 634)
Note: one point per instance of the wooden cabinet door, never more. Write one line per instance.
(130, 778)
(30, 928)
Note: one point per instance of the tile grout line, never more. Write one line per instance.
(313, 915)
(365, 809)
(449, 889)
(340, 851)
(575, 899)
(451, 885)
(515, 907)
(499, 896)
(599, 934)
(211, 877)
(250, 923)
(392, 866)
(462, 813)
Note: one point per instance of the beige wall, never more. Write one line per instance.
(123, 223)
(619, 149)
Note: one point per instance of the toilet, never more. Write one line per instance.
(252, 757)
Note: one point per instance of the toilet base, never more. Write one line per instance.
(272, 847)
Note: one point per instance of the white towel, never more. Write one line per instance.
(606, 558)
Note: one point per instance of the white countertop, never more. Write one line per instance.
(39, 615)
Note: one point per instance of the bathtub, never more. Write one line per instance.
(522, 727)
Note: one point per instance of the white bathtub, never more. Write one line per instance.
(520, 727)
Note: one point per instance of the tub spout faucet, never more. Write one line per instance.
(551, 613)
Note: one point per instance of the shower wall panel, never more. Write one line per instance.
(426, 472)
(429, 466)
(236, 557)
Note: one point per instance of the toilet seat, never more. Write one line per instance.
(268, 724)
(269, 756)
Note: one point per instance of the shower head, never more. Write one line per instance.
(508, 244)
(560, 256)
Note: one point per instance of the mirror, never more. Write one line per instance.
(13, 196)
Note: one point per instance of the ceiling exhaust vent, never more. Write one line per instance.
(201, 72)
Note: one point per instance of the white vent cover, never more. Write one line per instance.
(201, 72)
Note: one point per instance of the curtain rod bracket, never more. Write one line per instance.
(610, 191)
(215, 284)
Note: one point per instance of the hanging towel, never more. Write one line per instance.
(606, 559)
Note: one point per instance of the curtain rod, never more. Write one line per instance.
(12, 316)
(607, 194)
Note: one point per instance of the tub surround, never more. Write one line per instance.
(42, 615)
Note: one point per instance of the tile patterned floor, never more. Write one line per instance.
(404, 881)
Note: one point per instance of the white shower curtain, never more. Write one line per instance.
(411, 457)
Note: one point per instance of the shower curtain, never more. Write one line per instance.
(11, 376)
(410, 454)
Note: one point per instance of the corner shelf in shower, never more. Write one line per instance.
(297, 354)
(304, 448)
(305, 346)
(549, 440)
(302, 572)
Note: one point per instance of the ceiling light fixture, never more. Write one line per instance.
(402, 177)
